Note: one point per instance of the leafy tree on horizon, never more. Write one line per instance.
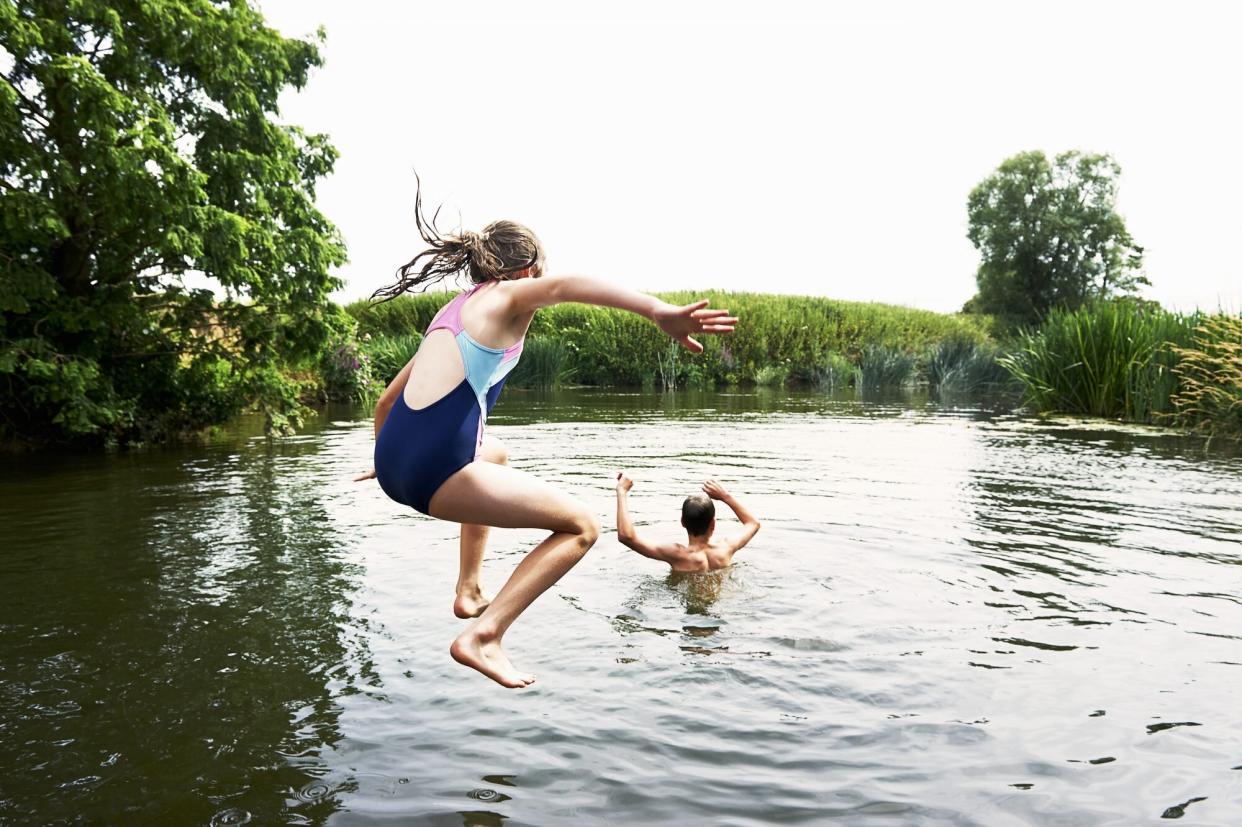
(138, 146)
(1050, 236)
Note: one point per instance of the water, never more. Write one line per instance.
(951, 616)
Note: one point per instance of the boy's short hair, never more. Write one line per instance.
(697, 513)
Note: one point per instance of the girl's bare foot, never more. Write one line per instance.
(485, 655)
(470, 604)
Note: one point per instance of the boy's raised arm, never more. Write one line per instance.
(750, 525)
(625, 527)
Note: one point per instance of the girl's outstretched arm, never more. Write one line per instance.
(528, 295)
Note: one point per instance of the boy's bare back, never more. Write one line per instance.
(701, 551)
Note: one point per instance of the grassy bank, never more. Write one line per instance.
(1122, 360)
(780, 339)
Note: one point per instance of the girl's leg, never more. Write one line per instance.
(497, 495)
(470, 600)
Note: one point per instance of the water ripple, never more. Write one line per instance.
(951, 616)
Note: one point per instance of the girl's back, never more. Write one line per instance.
(470, 328)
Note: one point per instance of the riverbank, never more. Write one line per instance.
(802, 339)
(1121, 360)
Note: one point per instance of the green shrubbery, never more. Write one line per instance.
(1110, 359)
(140, 143)
(1135, 361)
(1122, 359)
(347, 371)
(795, 338)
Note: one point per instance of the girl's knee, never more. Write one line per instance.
(586, 529)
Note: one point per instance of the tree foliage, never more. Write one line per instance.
(139, 145)
(1050, 236)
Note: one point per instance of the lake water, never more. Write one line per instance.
(952, 616)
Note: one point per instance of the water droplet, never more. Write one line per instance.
(230, 817)
(314, 791)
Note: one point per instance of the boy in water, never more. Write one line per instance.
(698, 516)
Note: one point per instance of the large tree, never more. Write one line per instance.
(1050, 236)
(139, 146)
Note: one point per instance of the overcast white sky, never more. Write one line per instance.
(815, 148)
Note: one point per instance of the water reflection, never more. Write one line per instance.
(526, 407)
(177, 629)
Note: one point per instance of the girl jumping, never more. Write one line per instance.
(431, 450)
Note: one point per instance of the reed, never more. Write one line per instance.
(544, 364)
(1111, 359)
(772, 376)
(409, 314)
(958, 365)
(612, 347)
(1209, 398)
(389, 354)
(884, 367)
(833, 372)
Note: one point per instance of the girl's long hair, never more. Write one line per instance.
(502, 249)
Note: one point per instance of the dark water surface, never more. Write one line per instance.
(950, 616)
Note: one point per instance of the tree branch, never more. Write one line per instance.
(31, 108)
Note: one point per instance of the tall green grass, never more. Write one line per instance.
(884, 367)
(1111, 359)
(964, 366)
(772, 376)
(1209, 397)
(612, 347)
(833, 372)
(544, 364)
(389, 354)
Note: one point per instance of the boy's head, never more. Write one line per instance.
(698, 515)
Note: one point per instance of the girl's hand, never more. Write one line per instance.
(679, 322)
(369, 475)
(624, 483)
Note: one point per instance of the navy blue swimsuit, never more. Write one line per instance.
(417, 450)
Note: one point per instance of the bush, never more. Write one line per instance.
(774, 376)
(346, 371)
